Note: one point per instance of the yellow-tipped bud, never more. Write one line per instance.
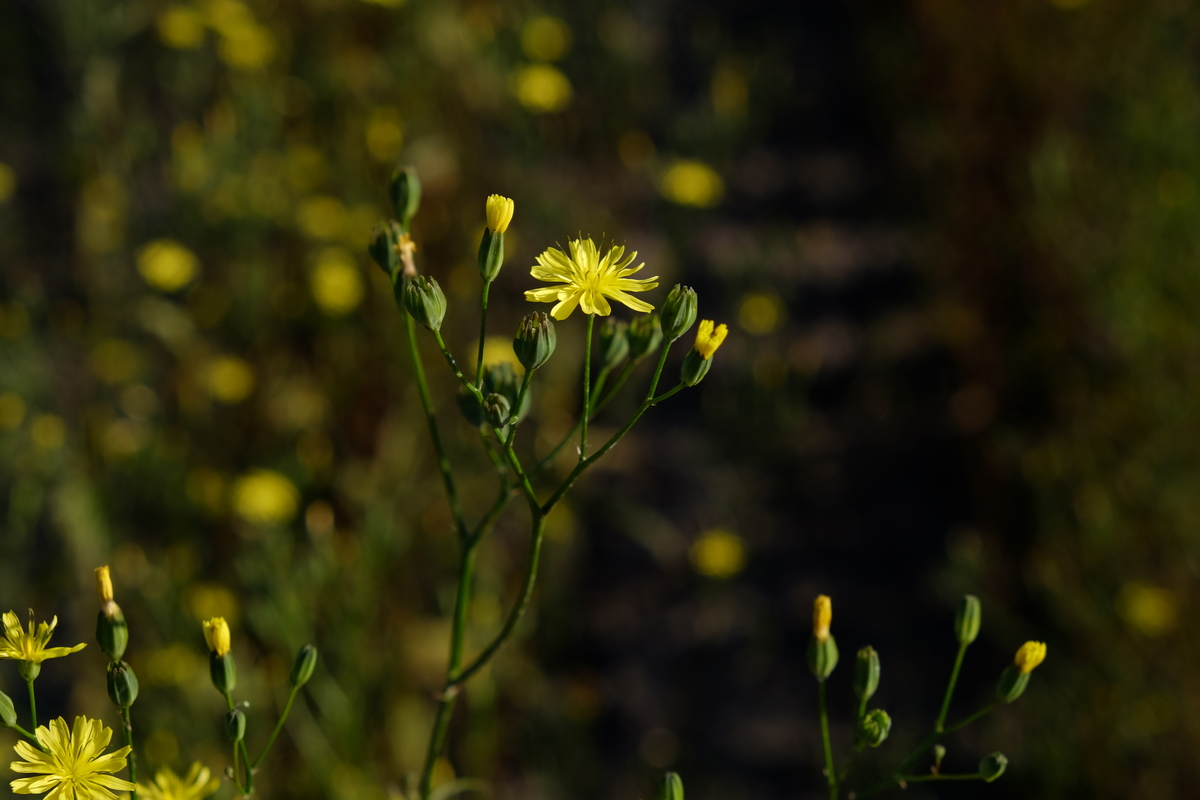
(709, 337)
(216, 633)
(104, 584)
(1029, 656)
(499, 213)
(822, 617)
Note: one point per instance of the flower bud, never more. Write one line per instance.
(866, 673)
(697, 362)
(993, 766)
(8, 712)
(939, 752)
(822, 617)
(111, 631)
(499, 212)
(1012, 684)
(502, 379)
(694, 368)
(122, 684)
(405, 193)
(469, 405)
(496, 410)
(1029, 656)
(671, 787)
(645, 336)
(303, 666)
(967, 619)
(383, 247)
(822, 656)
(535, 340)
(874, 727)
(216, 634)
(424, 300)
(678, 312)
(223, 672)
(614, 343)
(235, 725)
(491, 247)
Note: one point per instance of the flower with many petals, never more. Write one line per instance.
(196, 785)
(586, 279)
(30, 646)
(74, 765)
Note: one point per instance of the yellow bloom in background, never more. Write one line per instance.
(499, 212)
(692, 183)
(1148, 609)
(167, 265)
(709, 338)
(22, 645)
(822, 617)
(229, 379)
(545, 38)
(48, 431)
(718, 554)
(196, 785)
(321, 217)
(542, 89)
(587, 279)
(385, 133)
(12, 411)
(336, 283)
(1030, 655)
(181, 28)
(216, 634)
(265, 498)
(759, 314)
(8, 182)
(74, 766)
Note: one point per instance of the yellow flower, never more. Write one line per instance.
(265, 497)
(708, 338)
(31, 646)
(499, 213)
(196, 785)
(104, 584)
(73, 767)
(1030, 655)
(822, 617)
(216, 633)
(587, 279)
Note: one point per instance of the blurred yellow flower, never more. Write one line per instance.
(541, 88)
(115, 361)
(167, 265)
(196, 785)
(8, 182)
(30, 646)
(545, 38)
(249, 46)
(499, 350)
(181, 27)
(73, 765)
(709, 338)
(587, 279)
(692, 183)
(321, 217)
(216, 634)
(499, 211)
(12, 411)
(48, 431)
(718, 553)
(385, 133)
(265, 497)
(822, 617)
(337, 283)
(229, 379)
(759, 314)
(1029, 656)
(1147, 609)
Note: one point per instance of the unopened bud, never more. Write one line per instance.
(1029, 656)
(122, 684)
(939, 752)
(496, 410)
(822, 656)
(303, 666)
(491, 246)
(216, 635)
(405, 193)
(1012, 684)
(866, 673)
(614, 343)
(993, 766)
(967, 619)
(698, 361)
(111, 631)
(535, 340)
(235, 725)
(425, 301)
(8, 712)
(671, 787)
(223, 672)
(502, 379)
(383, 247)
(645, 336)
(874, 727)
(678, 312)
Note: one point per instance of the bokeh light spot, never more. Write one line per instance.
(385, 133)
(48, 431)
(229, 379)
(718, 553)
(337, 284)
(545, 38)
(1147, 609)
(692, 183)
(636, 149)
(181, 28)
(167, 265)
(760, 313)
(542, 89)
(322, 217)
(12, 411)
(8, 182)
(265, 497)
(115, 361)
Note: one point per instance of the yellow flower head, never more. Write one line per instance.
(709, 338)
(104, 584)
(587, 279)
(74, 766)
(822, 617)
(216, 633)
(31, 646)
(1030, 655)
(196, 785)
(499, 213)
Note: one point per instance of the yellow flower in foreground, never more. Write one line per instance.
(587, 279)
(709, 338)
(216, 633)
(74, 766)
(196, 785)
(499, 212)
(822, 617)
(31, 646)
(1030, 655)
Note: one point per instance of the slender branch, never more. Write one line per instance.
(125, 717)
(941, 720)
(32, 702)
(964, 723)
(827, 746)
(244, 791)
(31, 737)
(437, 742)
(483, 300)
(616, 387)
(287, 708)
(454, 367)
(587, 388)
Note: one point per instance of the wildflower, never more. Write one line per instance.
(111, 630)
(587, 279)
(216, 633)
(709, 338)
(822, 617)
(31, 646)
(499, 213)
(196, 785)
(822, 648)
(74, 765)
(1029, 656)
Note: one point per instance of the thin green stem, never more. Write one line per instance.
(454, 367)
(965, 722)
(598, 389)
(437, 742)
(827, 746)
(483, 300)
(236, 762)
(28, 736)
(287, 708)
(125, 717)
(32, 702)
(239, 747)
(974, 776)
(587, 388)
(941, 720)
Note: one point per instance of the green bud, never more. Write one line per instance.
(496, 410)
(822, 656)
(1012, 684)
(645, 336)
(235, 725)
(874, 727)
(8, 712)
(939, 752)
(502, 379)
(695, 367)
(866, 673)
(122, 684)
(405, 193)
(223, 672)
(469, 405)
(424, 300)
(111, 631)
(491, 255)
(535, 340)
(614, 343)
(671, 787)
(993, 766)
(303, 666)
(967, 619)
(678, 312)
(29, 670)
(385, 236)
